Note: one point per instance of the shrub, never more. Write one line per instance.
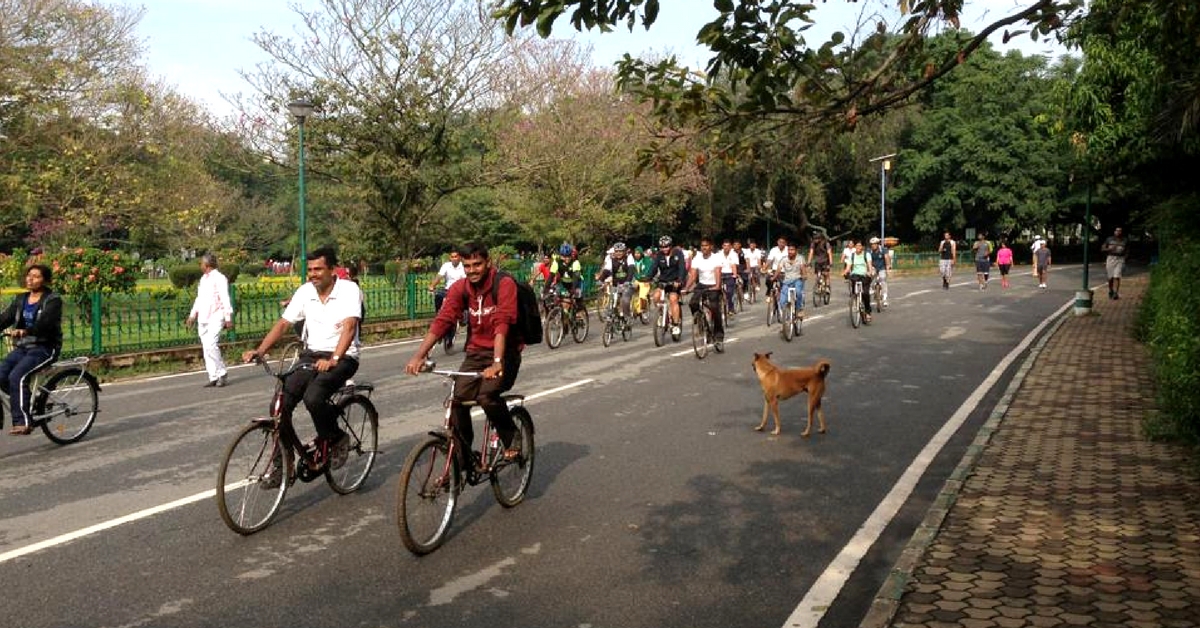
(185, 275)
(393, 270)
(231, 271)
(80, 272)
(12, 268)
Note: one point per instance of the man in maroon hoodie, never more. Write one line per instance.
(488, 348)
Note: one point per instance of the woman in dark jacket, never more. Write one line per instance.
(36, 319)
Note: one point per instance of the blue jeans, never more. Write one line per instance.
(16, 373)
(798, 284)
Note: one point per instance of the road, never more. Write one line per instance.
(654, 503)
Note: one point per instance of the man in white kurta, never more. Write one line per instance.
(212, 312)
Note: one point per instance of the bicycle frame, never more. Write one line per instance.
(490, 437)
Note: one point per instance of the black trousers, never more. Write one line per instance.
(713, 296)
(486, 392)
(315, 389)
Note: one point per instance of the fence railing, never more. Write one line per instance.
(101, 324)
(144, 321)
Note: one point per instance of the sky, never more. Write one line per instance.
(198, 46)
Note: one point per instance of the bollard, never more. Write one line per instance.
(1083, 302)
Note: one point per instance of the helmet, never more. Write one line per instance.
(619, 247)
(564, 250)
(874, 240)
(664, 241)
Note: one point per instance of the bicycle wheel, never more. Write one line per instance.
(626, 330)
(825, 293)
(606, 337)
(643, 314)
(554, 327)
(253, 478)
(877, 296)
(289, 356)
(510, 478)
(855, 311)
(579, 328)
(785, 322)
(772, 310)
(359, 419)
(740, 297)
(429, 488)
(66, 405)
(700, 335)
(602, 308)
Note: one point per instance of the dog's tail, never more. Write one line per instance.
(823, 368)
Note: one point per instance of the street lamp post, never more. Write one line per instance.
(768, 205)
(885, 164)
(302, 109)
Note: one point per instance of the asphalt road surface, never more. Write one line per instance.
(654, 503)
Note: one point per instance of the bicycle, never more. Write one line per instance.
(753, 287)
(662, 317)
(856, 306)
(739, 294)
(877, 293)
(65, 400)
(703, 332)
(614, 320)
(790, 318)
(447, 340)
(433, 473)
(773, 303)
(821, 293)
(561, 318)
(260, 464)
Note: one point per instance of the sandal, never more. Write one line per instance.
(512, 454)
(21, 430)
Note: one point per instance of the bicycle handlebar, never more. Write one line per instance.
(299, 366)
(431, 367)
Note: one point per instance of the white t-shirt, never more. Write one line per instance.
(846, 254)
(451, 273)
(729, 261)
(707, 269)
(775, 255)
(323, 321)
(753, 257)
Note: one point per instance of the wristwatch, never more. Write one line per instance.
(497, 360)
(335, 358)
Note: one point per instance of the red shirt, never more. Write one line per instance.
(486, 319)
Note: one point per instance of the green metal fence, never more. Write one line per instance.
(144, 321)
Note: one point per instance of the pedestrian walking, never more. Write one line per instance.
(1114, 265)
(983, 260)
(947, 252)
(1041, 262)
(212, 312)
(1004, 259)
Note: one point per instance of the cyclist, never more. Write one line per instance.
(450, 272)
(947, 252)
(332, 310)
(881, 261)
(619, 270)
(670, 273)
(820, 255)
(778, 252)
(566, 274)
(859, 270)
(790, 272)
(706, 271)
(754, 258)
(36, 319)
(730, 261)
(541, 272)
(645, 271)
(743, 270)
(488, 349)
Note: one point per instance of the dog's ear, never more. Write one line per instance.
(767, 354)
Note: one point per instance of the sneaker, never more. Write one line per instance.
(675, 330)
(1116, 297)
(221, 382)
(945, 284)
(1042, 286)
(338, 451)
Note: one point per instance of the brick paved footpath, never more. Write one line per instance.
(1062, 514)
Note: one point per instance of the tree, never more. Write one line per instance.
(763, 69)
(994, 163)
(399, 87)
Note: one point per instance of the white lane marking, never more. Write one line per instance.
(827, 587)
(100, 527)
(234, 367)
(150, 512)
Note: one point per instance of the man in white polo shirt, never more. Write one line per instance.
(331, 309)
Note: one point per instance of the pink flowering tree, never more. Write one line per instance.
(80, 272)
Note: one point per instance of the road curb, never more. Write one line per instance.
(887, 599)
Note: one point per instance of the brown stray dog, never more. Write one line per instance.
(780, 383)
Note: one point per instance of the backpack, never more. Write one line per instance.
(529, 314)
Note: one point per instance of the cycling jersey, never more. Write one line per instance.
(645, 268)
(879, 258)
(564, 272)
(671, 267)
(621, 271)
